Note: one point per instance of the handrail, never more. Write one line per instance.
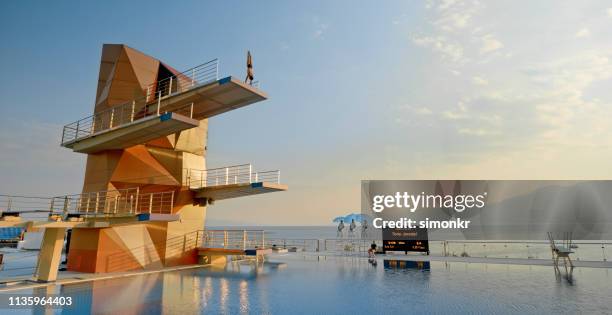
(234, 239)
(149, 105)
(93, 204)
(181, 244)
(236, 174)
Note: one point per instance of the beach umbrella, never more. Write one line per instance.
(358, 217)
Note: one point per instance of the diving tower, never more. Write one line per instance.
(146, 182)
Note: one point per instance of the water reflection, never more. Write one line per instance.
(244, 296)
(224, 290)
(313, 286)
(407, 264)
(567, 276)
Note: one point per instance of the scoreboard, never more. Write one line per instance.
(405, 240)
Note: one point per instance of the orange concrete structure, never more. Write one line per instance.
(140, 207)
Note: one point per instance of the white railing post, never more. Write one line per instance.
(257, 177)
(137, 197)
(250, 173)
(131, 203)
(225, 239)
(244, 239)
(170, 87)
(226, 175)
(134, 108)
(278, 177)
(191, 110)
(97, 202)
(116, 201)
(158, 102)
(171, 201)
(150, 202)
(76, 134)
(88, 202)
(66, 205)
(112, 117)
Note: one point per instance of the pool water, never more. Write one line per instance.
(297, 284)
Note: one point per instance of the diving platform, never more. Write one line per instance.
(134, 133)
(171, 105)
(231, 182)
(93, 209)
(216, 98)
(237, 190)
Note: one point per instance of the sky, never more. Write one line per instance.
(358, 90)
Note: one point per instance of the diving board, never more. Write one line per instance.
(134, 133)
(229, 191)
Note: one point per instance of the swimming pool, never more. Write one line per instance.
(298, 284)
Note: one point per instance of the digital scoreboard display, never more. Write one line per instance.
(405, 240)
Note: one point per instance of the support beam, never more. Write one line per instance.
(50, 254)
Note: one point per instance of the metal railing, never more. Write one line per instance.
(179, 245)
(598, 251)
(184, 81)
(93, 204)
(302, 245)
(148, 253)
(13, 203)
(237, 174)
(234, 239)
(149, 105)
(113, 202)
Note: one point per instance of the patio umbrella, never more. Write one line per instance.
(358, 217)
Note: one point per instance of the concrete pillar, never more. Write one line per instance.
(50, 254)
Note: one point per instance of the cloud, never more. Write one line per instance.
(423, 111)
(320, 28)
(479, 81)
(446, 4)
(584, 32)
(490, 44)
(480, 132)
(441, 45)
(455, 16)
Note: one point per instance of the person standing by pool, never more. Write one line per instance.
(352, 228)
(340, 228)
(372, 251)
(372, 254)
(364, 229)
